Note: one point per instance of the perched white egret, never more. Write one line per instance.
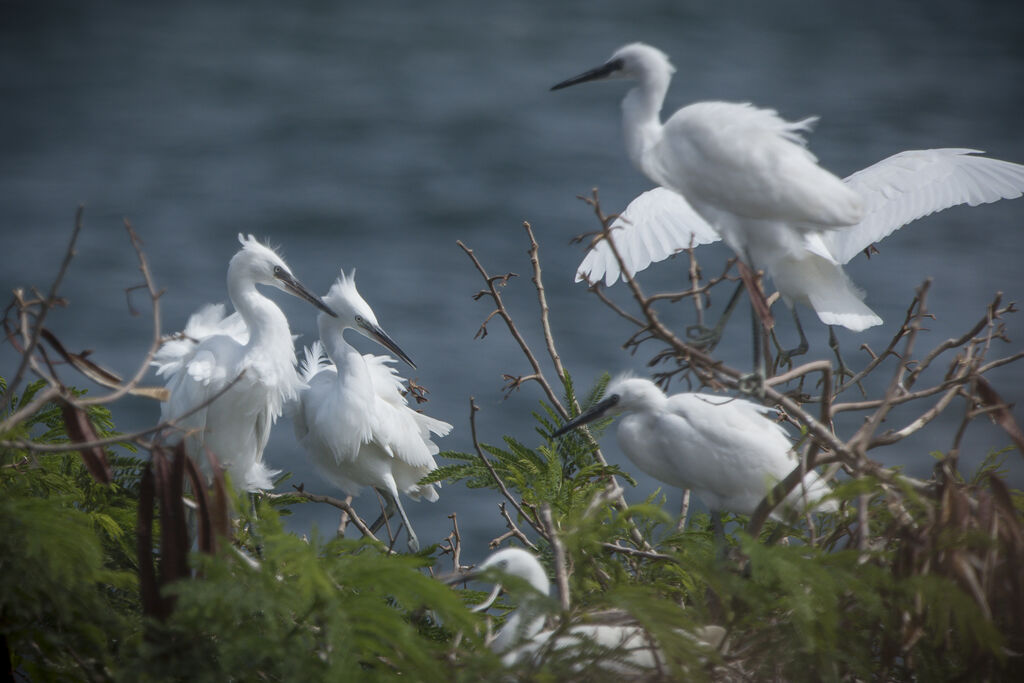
(523, 638)
(747, 174)
(254, 350)
(896, 191)
(354, 420)
(723, 449)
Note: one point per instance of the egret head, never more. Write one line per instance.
(624, 395)
(514, 562)
(259, 264)
(354, 313)
(637, 61)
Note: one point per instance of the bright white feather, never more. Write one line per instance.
(743, 174)
(627, 648)
(896, 191)
(252, 348)
(354, 420)
(728, 451)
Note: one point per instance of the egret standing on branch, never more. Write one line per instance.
(747, 173)
(896, 191)
(252, 364)
(354, 420)
(723, 449)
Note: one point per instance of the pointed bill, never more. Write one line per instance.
(382, 338)
(291, 285)
(603, 71)
(594, 413)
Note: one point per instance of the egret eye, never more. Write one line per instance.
(359, 319)
(278, 271)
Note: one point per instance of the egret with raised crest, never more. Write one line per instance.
(229, 378)
(353, 419)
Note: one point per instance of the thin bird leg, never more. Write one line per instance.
(387, 513)
(414, 543)
(392, 504)
(707, 338)
(760, 316)
(833, 343)
(754, 382)
(786, 355)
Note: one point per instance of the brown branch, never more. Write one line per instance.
(494, 475)
(357, 521)
(513, 531)
(633, 552)
(45, 306)
(558, 551)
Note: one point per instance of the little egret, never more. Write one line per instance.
(896, 191)
(522, 638)
(354, 420)
(747, 174)
(723, 449)
(253, 350)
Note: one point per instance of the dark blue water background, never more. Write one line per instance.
(375, 135)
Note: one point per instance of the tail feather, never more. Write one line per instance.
(822, 285)
(260, 477)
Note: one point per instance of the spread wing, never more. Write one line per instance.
(916, 183)
(655, 225)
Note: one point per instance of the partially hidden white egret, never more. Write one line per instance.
(252, 349)
(724, 449)
(354, 420)
(747, 174)
(523, 638)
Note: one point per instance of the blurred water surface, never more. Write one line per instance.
(375, 135)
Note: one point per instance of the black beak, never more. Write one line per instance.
(453, 578)
(381, 337)
(293, 286)
(594, 413)
(603, 71)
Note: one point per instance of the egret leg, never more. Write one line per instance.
(760, 317)
(388, 512)
(393, 503)
(707, 338)
(754, 382)
(786, 355)
(833, 343)
(414, 543)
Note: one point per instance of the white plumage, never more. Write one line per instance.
(747, 175)
(895, 191)
(523, 638)
(354, 420)
(726, 450)
(214, 351)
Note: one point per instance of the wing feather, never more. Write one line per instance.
(655, 225)
(916, 183)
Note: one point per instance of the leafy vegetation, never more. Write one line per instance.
(105, 574)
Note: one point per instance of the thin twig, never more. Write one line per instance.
(44, 308)
(494, 475)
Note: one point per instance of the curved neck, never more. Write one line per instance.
(346, 358)
(265, 321)
(641, 116)
(518, 628)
